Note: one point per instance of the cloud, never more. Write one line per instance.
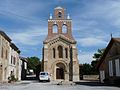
(30, 36)
(103, 15)
(90, 42)
(85, 57)
(93, 21)
(22, 10)
(103, 11)
(22, 7)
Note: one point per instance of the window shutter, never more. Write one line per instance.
(110, 68)
(117, 66)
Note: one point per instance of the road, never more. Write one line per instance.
(35, 85)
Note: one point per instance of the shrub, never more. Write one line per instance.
(12, 79)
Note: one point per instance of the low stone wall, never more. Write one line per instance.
(91, 77)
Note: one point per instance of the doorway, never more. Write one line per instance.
(59, 73)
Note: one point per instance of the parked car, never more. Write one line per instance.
(44, 76)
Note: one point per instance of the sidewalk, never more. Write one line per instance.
(15, 83)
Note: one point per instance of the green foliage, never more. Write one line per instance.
(12, 78)
(98, 54)
(33, 62)
(89, 69)
(86, 69)
(94, 69)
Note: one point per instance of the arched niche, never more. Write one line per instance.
(60, 51)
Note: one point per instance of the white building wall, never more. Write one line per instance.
(19, 70)
(0, 49)
(15, 68)
(4, 61)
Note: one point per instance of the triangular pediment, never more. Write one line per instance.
(60, 37)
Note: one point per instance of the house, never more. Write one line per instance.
(59, 50)
(109, 63)
(14, 65)
(23, 67)
(9, 58)
(4, 55)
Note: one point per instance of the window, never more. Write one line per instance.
(6, 56)
(66, 52)
(64, 29)
(25, 65)
(117, 66)
(59, 14)
(11, 59)
(53, 52)
(11, 73)
(14, 60)
(55, 28)
(110, 68)
(2, 51)
(60, 51)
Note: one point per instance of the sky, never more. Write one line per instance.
(93, 21)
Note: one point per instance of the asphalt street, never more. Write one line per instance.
(35, 85)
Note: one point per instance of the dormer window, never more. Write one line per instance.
(59, 14)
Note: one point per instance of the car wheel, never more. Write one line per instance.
(48, 80)
(39, 80)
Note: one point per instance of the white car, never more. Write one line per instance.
(44, 76)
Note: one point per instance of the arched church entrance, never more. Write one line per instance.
(60, 71)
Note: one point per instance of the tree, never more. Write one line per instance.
(93, 67)
(33, 62)
(98, 54)
(86, 69)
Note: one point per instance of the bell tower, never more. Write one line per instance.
(59, 23)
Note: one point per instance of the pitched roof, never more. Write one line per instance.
(5, 36)
(9, 40)
(113, 40)
(15, 47)
(23, 59)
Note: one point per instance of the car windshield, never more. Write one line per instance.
(43, 73)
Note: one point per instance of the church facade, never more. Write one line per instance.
(59, 49)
